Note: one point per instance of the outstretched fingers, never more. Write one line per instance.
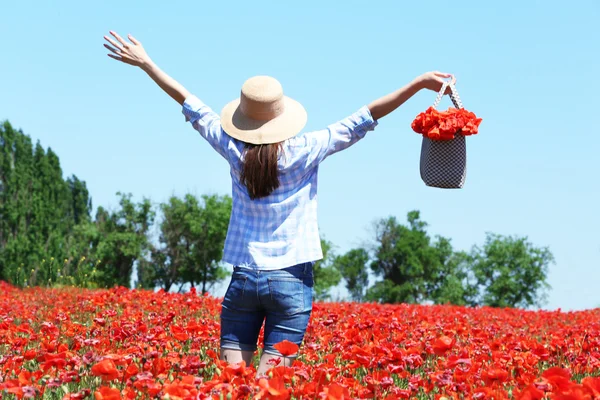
(133, 40)
(115, 57)
(119, 49)
(115, 44)
(119, 38)
(132, 53)
(116, 51)
(118, 55)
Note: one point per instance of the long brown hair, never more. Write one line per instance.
(259, 169)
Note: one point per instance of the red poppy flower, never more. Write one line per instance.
(442, 345)
(24, 377)
(176, 391)
(530, 393)
(106, 369)
(286, 348)
(593, 386)
(445, 125)
(274, 389)
(494, 374)
(30, 354)
(131, 370)
(179, 333)
(106, 393)
(336, 391)
(366, 350)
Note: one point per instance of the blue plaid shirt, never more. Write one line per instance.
(279, 230)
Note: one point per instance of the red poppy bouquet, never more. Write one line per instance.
(445, 125)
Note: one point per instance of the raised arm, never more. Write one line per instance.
(133, 53)
(346, 132)
(388, 103)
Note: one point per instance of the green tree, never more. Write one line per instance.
(38, 209)
(456, 283)
(325, 273)
(354, 270)
(121, 239)
(16, 177)
(167, 260)
(50, 221)
(82, 263)
(414, 268)
(192, 237)
(510, 271)
(103, 252)
(81, 202)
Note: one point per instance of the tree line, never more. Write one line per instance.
(48, 236)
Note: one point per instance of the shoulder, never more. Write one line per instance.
(305, 139)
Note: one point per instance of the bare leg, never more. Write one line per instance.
(236, 356)
(265, 365)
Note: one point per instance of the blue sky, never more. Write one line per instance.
(529, 69)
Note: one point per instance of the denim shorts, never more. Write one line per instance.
(281, 298)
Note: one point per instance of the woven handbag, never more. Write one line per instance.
(444, 162)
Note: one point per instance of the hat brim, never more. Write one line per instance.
(285, 126)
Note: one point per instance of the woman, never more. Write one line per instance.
(273, 238)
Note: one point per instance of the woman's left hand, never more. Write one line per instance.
(434, 81)
(131, 53)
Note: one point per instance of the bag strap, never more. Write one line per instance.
(453, 95)
(440, 94)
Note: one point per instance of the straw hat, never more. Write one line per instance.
(263, 114)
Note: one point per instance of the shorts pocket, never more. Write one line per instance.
(235, 291)
(287, 294)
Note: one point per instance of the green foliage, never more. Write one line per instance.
(38, 208)
(122, 239)
(511, 270)
(505, 272)
(325, 273)
(80, 199)
(454, 283)
(44, 218)
(419, 269)
(385, 291)
(353, 268)
(192, 236)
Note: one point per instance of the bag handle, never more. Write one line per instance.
(453, 95)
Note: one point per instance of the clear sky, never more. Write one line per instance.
(529, 69)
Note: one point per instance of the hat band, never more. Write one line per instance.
(260, 110)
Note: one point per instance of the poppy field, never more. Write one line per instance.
(71, 343)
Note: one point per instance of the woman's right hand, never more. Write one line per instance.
(434, 81)
(130, 53)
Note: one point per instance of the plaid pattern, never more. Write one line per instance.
(279, 230)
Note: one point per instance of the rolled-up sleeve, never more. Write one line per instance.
(208, 123)
(341, 135)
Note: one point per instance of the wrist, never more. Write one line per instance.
(419, 82)
(147, 65)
